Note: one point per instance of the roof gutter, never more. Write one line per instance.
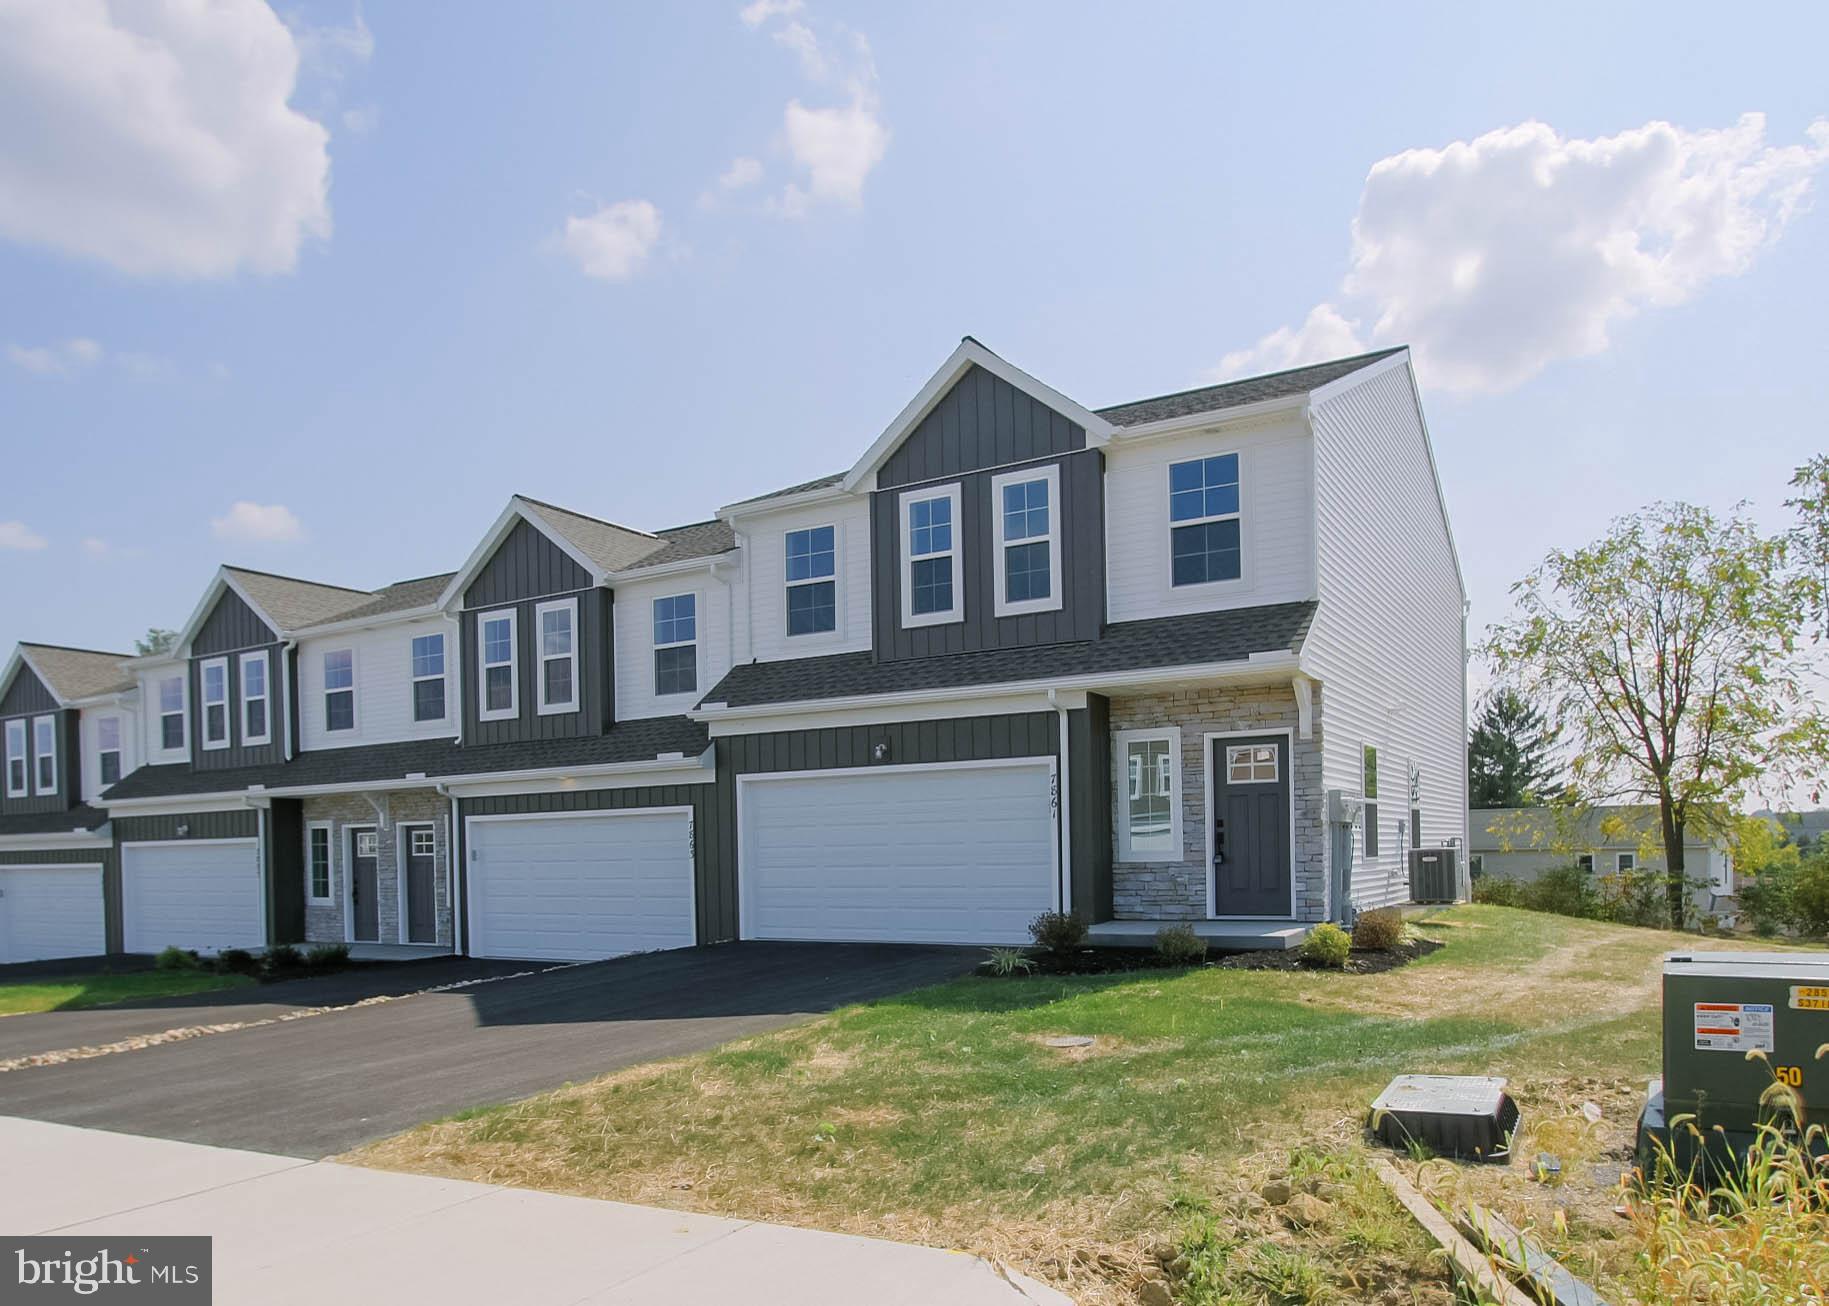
(50, 841)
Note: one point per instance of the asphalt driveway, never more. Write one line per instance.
(321, 1085)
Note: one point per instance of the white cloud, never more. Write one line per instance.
(95, 546)
(760, 11)
(799, 38)
(361, 121)
(836, 148)
(257, 523)
(56, 360)
(1498, 257)
(157, 137)
(17, 535)
(333, 50)
(615, 241)
(743, 171)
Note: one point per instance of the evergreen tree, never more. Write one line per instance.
(1511, 757)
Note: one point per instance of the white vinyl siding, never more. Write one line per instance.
(384, 690)
(1276, 542)
(1387, 638)
(634, 639)
(761, 608)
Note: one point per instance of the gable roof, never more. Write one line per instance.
(401, 596)
(608, 546)
(289, 603)
(1246, 390)
(70, 674)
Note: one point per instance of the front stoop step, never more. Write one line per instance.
(1222, 936)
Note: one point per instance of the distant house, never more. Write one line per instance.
(1805, 829)
(1521, 843)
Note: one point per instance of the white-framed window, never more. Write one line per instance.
(1623, 862)
(1025, 507)
(429, 677)
(498, 694)
(932, 593)
(108, 750)
(44, 754)
(421, 842)
(1204, 521)
(1148, 764)
(339, 689)
(256, 717)
(215, 677)
(1368, 787)
(676, 647)
(557, 624)
(18, 763)
(1585, 861)
(811, 568)
(1476, 864)
(317, 863)
(1251, 764)
(173, 730)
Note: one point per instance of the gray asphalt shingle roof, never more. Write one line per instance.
(610, 546)
(294, 603)
(402, 596)
(73, 673)
(705, 539)
(80, 817)
(1203, 637)
(820, 483)
(1236, 394)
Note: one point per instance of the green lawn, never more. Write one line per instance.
(940, 1116)
(69, 992)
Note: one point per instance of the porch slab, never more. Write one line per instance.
(1221, 935)
(398, 951)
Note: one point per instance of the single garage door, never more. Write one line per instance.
(204, 895)
(581, 887)
(949, 854)
(51, 911)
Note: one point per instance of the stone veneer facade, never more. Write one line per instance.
(324, 921)
(1177, 890)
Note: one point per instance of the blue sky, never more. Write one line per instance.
(1121, 205)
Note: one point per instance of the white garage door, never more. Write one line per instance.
(955, 854)
(51, 911)
(581, 888)
(204, 895)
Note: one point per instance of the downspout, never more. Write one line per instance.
(1066, 805)
(452, 851)
(286, 705)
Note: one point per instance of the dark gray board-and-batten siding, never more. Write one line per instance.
(282, 856)
(232, 631)
(27, 698)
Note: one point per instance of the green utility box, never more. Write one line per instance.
(1718, 1008)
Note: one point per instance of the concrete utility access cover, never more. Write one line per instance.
(1071, 1041)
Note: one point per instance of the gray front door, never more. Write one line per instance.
(365, 884)
(1251, 826)
(421, 922)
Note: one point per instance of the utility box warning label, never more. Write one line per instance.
(1809, 997)
(1734, 1027)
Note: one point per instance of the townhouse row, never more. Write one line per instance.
(1195, 658)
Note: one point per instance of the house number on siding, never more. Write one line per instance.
(1054, 794)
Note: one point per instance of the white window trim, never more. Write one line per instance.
(1275, 765)
(119, 750)
(789, 586)
(183, 713)
(203, 697)
(513, 709)
(542, 657)
(695, 644)
(266, 696)
(39, 787)
(18, 745)
(1052, 475)
(947, 616)
(1121, 743)
(1620, 859)
(1168, 512)
(444, 677)
(330, 864)
(1589, 868)
(355, 699)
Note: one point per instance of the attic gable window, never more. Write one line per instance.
(1204, 521)
(18, 766)
(931, 547)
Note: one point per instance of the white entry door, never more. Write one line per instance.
(959, 853)
(52, 911)
(580, 887)
(203, 894)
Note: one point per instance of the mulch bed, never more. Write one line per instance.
(1359, 963)
(1111, 961)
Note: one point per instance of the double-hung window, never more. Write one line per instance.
(18, 764)
(1204, 544)
(215, 677)
(108, 749)
(1028, 532)
(256, 719)
(1369, 788)
(497, 686)
(429, 677)
(1624, 863)
(931, 590)
(171, 713)
(557, 622)
(44, 748)
(812, 587)
(317, 863)
(676, 649)
(1149, 808)
(340, 689)
(1585, 862)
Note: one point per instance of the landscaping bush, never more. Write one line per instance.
(1327, 945)
(1498, 891)
(1769, 900)
(1564, 890)
(282, 957)
(176, 958)
(1636, 897)
(327, 956)
(1058, 931)
(1378, 930)
(237, 961)
(1180, 946)
(1810, 896)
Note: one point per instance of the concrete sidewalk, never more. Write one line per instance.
(309, 1232)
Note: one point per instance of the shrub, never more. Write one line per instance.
(1565, 890)
(237, 961)
(1378, 930)
(326, 956)
(1005, 962)
(282, 957)
(1810, 897)
(1769, 900)
(1636, 897)
(1498, 891)
(1326, 945)
(1057, 931)
(1179, 945)
(176, 958)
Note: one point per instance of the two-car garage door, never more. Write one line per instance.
(959, 853)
